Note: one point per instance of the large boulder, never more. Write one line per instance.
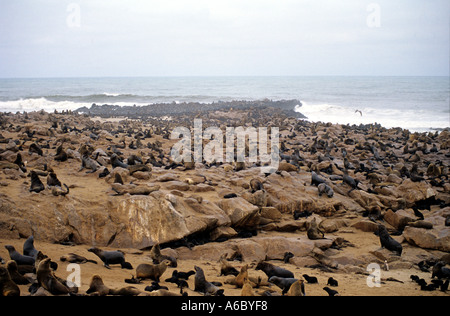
(436, 238)
(242, 213)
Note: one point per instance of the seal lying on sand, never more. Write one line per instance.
(270, 270)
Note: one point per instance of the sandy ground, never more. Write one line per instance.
(349, 284)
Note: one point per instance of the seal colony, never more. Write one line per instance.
(343, 197)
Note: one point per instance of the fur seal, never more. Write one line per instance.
(52, 179)
(28, 247)
(116, 162)
(316, 179)
(17, 257)
(325, 188)
(270, 270)
(97, 287)
(256, 185)
(157, 257)
(7, 286)
(61, 155)
(155, 287)
(388, 242)
(111, 257)
(283, 283)
(36, 183)
(440, 271)
(13, 270)
(74, 258)
(314, 233)
(226, 268)
(152, 271)
(310, 280)
(332, 282)
(203, 286)
(247, 289)
(48, 280)
(297, 289)
(330, 291)
(89, 163)
(58, 191)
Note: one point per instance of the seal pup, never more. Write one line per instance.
(256, 185)
(325, 188)
(36, 183)
(313, 232)
(203, 286)
(297, 289)
(310, 280)
(28, 247)
(7, 286)
(332, 282)
(17, 257)
(388, 242)
(331, 292)
(270, 270)
(59, 191)
(111, 257)
(152, 271)
(47, 279)
(74, 258)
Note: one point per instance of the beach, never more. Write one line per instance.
(201, 211)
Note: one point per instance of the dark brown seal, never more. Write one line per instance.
(7, 286)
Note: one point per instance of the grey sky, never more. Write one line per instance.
(54, 38)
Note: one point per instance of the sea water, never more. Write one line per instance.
(415, 103)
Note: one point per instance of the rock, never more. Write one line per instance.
(271, 213)
(177, 185)
(400, 218)
(437, 238)
(242, 213)
(366, 226)
(259, 198)
(222, 232)
(332, 225)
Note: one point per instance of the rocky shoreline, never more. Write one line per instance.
(202, 211)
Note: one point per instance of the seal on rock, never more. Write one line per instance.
(314, 232)
(47, 279)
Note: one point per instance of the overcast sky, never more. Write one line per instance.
(54, 38)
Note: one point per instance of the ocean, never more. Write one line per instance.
(415, 103)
